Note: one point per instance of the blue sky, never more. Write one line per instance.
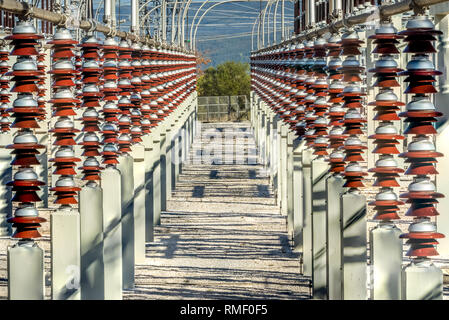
(227, 25)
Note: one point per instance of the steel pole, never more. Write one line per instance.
(134, 17)
(283, 20)
(275, 22)
(173, 22)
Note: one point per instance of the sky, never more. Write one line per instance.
(225, 32)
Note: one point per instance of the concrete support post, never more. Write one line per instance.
(289, 185)
(283, 168)
(148, 185)
(26, 271)
(267, 138)
(261, 139)
(177, 152)
(353, 224)
(112, 233)
(334, 190)
(307, 210)
(273, 151)
(126, 166)
(5, 191)
(277, 158)
(170, 133)
(320, 168)
(91, 243)
(157, 177)
(184, 143)
(422, 280)
(65, 255)
(386, 261)
(164, 164)
(139, 206)
(297, 194)
(256, 124)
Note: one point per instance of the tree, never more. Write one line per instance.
(228, 79)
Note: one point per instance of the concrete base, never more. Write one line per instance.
(163, 175)
(112, 233)
(169, 164)
(386, 262)
(283, 179)
(156, 195)
(334, 190)
(26, 272)
(289, 184)
(422, 281)
(353, 224)
(126, 166)
(320, 168)
(297, 194)
(148, 189)
(139, 205)
(65, 255)
(91, 243)
(307, 210)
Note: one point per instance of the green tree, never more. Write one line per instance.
(228, 79)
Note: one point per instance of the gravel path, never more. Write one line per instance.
(222, 236)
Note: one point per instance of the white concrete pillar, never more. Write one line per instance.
(65, 254)
(319, 173)
(297, 194)
(126, 166)
(163, 165)
(334, 190)
(283, 168)
(156, 176)
(307, 210)
(139, 206)
(354, 264)
(112, 233)
(289, 184)
(91, 243)
(25, 271)
(422, 280)
(386, 261)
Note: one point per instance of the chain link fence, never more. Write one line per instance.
(223, 108)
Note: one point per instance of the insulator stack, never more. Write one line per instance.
(353, 120)
(299, 112)
(25, 111)
(386, 137)
(41, 83)
(310, 98)
(63, 73)
(421, 153)
(320, 104)
(145, 94)
(5, 122)
(136, 99)
(91, 96)
(110, 110)
(78, 78)
(124, 103)
(336, 111)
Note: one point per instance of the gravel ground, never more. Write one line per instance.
(223, 236)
